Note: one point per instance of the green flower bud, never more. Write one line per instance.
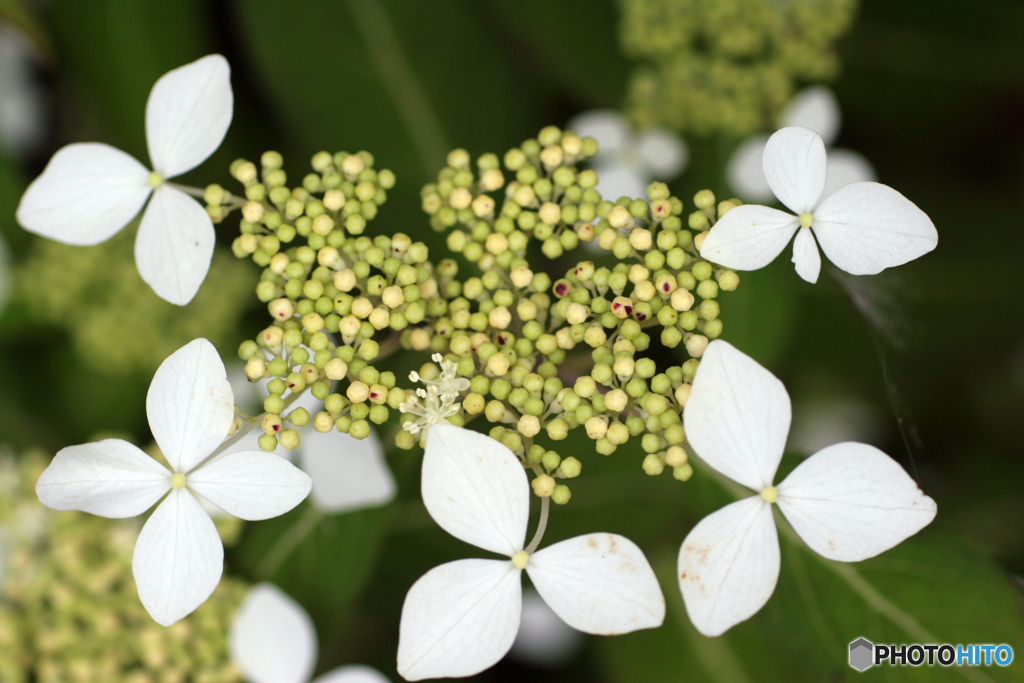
(671, 336)
(557, 429)
(683, 473)
(653, 464)
(268, 442)
(561, 494)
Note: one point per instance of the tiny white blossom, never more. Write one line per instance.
(437, 402)
(178, 557)
(814, 108)
(462, 617)
(627, 162)
(89, 191)
(848, 502)
(273, 640)
(449, 384)
(863, 228)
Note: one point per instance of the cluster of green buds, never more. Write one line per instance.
(329, 289)
(507, 343)
(730, 66)
(69, 612)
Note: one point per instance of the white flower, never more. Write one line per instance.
(626, 163)
(273, 640)
(462, 617)
(348, 473)
(848, 502)
(863, 228)
(89, 191)
(814, 108)
(178, 557)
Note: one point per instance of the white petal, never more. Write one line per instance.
(865, 228)
(87, 193)
(111, 478)
(347, 473)
(353, 673)
(476, 489)
(737, 417)
(663, 152)
(621, 180)
(252, 485)
(598, 583)
(851, 501)
(544, 639)
(178, 558)
(174, 245)
(459, 618)
(188, 112)
(745, 173)
(846, 167)
(607, 126)
(794, 165)
(190, 404)
(815, 108)
(272, 638)
(729, 565)
(806, 256)
(749, 237)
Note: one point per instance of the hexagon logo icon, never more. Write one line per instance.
(862, 654)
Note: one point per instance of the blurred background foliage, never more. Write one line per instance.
(930, 356)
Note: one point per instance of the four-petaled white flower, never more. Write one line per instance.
(848, 502)
(626, 163)
(462, 617)
(89, 191)
(179, 557)
(863, 228)
(814, 108)
(273, 640)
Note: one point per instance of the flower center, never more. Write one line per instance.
(806, 219)
(770, 494)
(520, 559)
(155, 180)
(178, 481)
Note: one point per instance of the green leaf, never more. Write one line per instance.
(323, 561)
(930, 589)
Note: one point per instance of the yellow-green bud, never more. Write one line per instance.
(543, 485)
(653, 464)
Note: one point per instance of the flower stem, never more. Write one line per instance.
(194, 191)
(542, 524)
